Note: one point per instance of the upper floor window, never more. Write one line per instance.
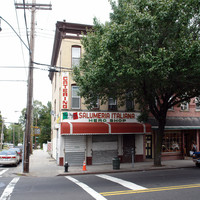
(197, 102)
(184, 106)
(95, 105)
(75, 97)
(76, 55)
(112, 104)
(129, 102)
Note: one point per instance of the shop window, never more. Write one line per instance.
(75, 97)
(172, 142)
(76, 55)
(112, 104)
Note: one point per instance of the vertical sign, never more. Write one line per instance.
(65, 90)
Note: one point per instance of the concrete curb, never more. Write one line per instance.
(123, 171)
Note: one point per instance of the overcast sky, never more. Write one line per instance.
(14, 55)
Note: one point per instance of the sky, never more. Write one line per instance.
(14, 57)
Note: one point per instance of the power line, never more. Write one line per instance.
(15, 32)
(20, 36)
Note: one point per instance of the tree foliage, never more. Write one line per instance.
(150, 48)
(41, 118)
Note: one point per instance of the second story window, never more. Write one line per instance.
(112, 104)
(75, 97)
(197, 103)
(129, 102)
(184, 106)
(76, 55)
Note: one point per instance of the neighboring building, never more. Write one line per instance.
(97, 135)
(182, 128)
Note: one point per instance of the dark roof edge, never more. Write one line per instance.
(61, 29)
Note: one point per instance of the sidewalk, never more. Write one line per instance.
(42, 165)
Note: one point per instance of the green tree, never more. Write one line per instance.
(149, 48)
(44, 122)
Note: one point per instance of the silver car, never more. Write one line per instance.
(8, 157)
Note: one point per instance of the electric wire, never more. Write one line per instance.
(15, 32)
(26, 27)
(19, 34)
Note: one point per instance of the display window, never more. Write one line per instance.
(172, 141)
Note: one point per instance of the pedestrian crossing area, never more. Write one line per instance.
(95, 186)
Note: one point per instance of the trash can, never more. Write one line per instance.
(66, 165)
(116, 163)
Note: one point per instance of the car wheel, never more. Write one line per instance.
(198, 164)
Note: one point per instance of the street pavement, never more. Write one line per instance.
(43, 165)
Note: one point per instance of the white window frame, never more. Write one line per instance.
(197, 101)
(184, 106)
(75, 56)
(112, 102)
(75, 97)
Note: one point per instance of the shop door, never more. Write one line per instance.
(148, 146)
(128, 144)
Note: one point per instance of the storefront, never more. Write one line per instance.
(97, 137)
(179, 134)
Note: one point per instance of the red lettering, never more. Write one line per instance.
(65, 80)
(65, 104)
(65, 92)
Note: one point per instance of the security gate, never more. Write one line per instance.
(104, 148)
(75, 149)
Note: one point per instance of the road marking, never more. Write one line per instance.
(3, 171)
(9, 189)
(150, 190)
(126, 184)
(89, 190)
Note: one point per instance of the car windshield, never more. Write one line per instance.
(7, 153)
(15, 149)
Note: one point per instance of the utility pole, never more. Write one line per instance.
(2, 134)
(33, 6)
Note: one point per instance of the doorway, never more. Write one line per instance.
(148, 146)
(128, 144)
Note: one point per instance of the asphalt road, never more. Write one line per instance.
(173, 184)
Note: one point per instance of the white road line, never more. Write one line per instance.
(9, 189)
(126, 184)
(3, 171)
(89, 190)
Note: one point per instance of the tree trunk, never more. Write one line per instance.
(158, 143)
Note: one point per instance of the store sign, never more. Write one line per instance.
(99, 116)
(65, 90)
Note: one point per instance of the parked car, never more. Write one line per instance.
(19, 152)
(8, 157)
(196, 158)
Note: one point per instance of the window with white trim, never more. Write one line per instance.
(76, 55)
(112, 104)
(197, 103)
(75, 97)
(184, 106)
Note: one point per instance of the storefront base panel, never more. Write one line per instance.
(89, 160)
(172, 156)
(61, 161)
(139, 158)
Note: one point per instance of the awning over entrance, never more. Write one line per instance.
(87, 128)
